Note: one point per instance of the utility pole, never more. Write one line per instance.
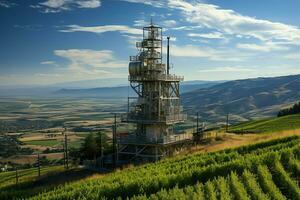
(64, 153)
(17, 176)
(197, 123)
(39, 165)
(101, 150)
(101, 145)
(114, 142)
(66, 148)
(227, 119)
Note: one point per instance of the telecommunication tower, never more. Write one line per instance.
(157, 106)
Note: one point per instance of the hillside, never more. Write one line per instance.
(289, 122)
(244, 99)
(267, 170)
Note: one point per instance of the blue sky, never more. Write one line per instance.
(51, 41)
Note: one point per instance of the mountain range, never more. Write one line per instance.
(243, 99)
(125, 91)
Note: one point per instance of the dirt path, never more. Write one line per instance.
(230, 140)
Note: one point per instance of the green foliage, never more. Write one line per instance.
(210, 191)
(10, 145)
(46, 142)
(295, 109)
(282, 178)
(253, 187)
(267, 184)
(228, 174)
(289, 122)
(94, 145)
(25, 175)
(224, 189)
(237, 188)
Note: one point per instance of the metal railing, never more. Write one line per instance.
(159, 77)
(142, 139)
(169, 119)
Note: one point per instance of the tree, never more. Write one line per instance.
(101, 141)
(89, 147)
(295, 109)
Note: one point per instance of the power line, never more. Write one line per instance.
(66, 149)
(39, 165)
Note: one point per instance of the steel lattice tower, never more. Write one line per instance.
(157, 106)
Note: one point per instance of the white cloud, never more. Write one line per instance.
(48, 62)
(102, 29)
(54, 6)
(90, 61)
(169, 23)
(293, 56)
(140, 23)
(165, 23)
(266, 47)
(7, 4)
(155, 3)
(89, 4)
(213, 35)
(191, 51)
(231, 22)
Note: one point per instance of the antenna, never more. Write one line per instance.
(168, 56)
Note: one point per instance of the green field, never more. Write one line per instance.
(289, 122)
(48, 142)
(268, 170)
(25, 176)
(30, 184)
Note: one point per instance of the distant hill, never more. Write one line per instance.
(85, 84)
(243, 99)
(124, 91)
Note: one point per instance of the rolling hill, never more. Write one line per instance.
(267, 170)
(277, 124)
(243, 99)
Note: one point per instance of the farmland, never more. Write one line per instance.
(38, 123)
(267, 170)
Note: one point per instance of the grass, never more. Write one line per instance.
(29, 183)
(26, 175)
(48, 142)
(290, 122)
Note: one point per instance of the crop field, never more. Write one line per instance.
(25, 114)
(49, 142)
(278, 124)
(268, 170)
(39, 122)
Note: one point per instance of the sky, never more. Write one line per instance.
(43, 42)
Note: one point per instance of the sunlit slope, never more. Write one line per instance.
(289, 122)
(266, 170)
